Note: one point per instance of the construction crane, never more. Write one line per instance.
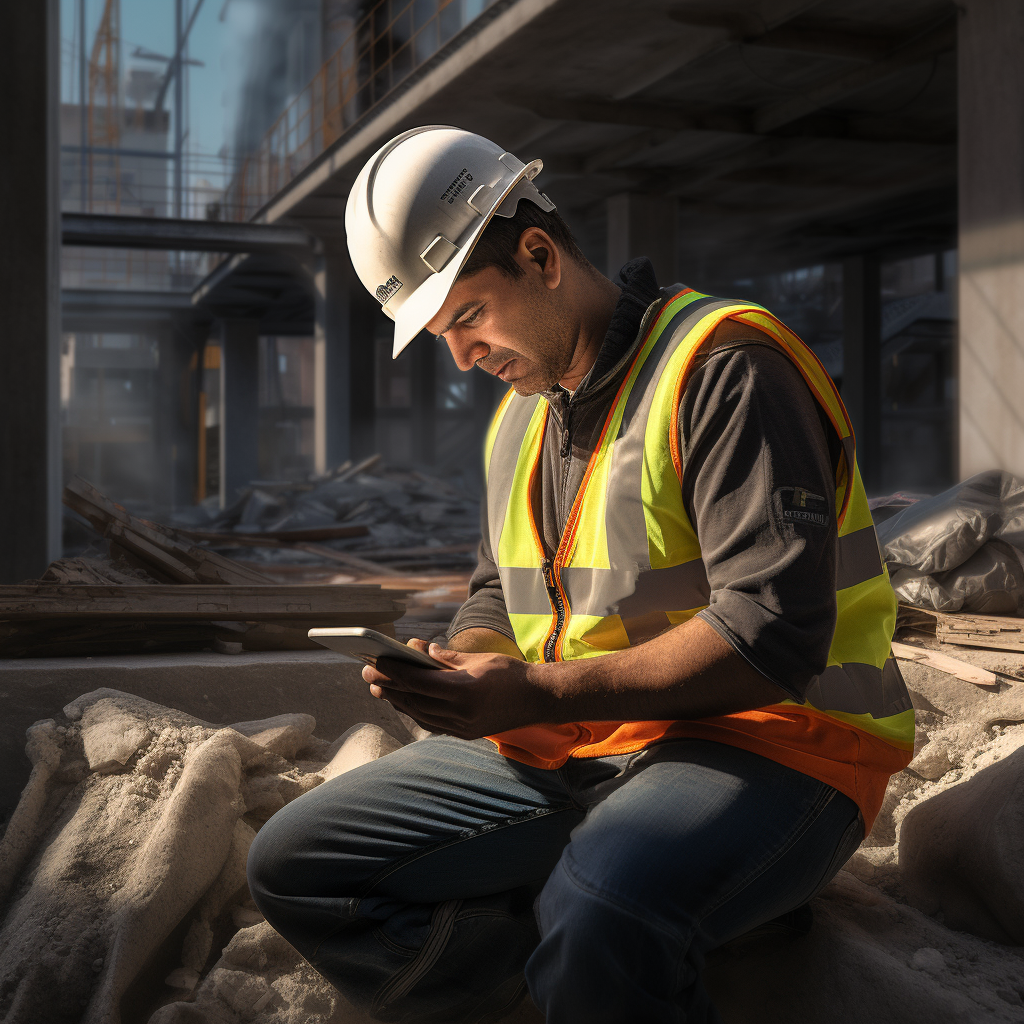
(104, 109)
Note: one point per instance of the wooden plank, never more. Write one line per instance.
(188, 601)
(274, 538)
(952, 666)
(344, 558)
(1000, 632)
(166, 550)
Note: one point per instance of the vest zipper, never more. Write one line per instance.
(555, 596)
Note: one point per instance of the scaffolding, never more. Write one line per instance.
(380, 50)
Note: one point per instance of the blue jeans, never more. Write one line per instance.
(426, 884)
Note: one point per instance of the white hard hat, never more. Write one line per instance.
(417, 209)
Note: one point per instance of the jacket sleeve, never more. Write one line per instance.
(758, 485)
(485, 605)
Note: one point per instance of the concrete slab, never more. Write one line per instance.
(218, 688)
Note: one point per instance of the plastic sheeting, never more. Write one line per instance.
(962, 550)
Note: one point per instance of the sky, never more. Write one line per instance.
(150, 24)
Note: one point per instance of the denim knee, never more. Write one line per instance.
(598, 956)
(270, 864)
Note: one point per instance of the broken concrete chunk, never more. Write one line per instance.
(932, 762)
(182, 978)
(359, 745)
(961, 853)
(112, 735)
(242, 992)
(197, 945)
(43, 743)
(284, 734)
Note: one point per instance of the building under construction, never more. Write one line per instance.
(200, 419)
(823, 158)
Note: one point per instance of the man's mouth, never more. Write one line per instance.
(500, 373)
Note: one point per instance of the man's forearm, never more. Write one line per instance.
(687, 672)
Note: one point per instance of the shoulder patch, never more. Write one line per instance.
(801, 506)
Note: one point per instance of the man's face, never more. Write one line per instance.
(514, 329)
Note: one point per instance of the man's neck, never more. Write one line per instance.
(594, 297)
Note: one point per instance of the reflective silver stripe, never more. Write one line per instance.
(857, 558)
(524, 590)
(501, 471)
(632, 593)
(625, 522)
(859, 689)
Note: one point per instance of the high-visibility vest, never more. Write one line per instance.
(629, 563)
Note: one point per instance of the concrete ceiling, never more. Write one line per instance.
(790, 131)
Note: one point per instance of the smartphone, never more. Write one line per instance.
(368, 645)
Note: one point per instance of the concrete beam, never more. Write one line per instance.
(30, 470)
(179, 235)
(923, 47)
(679, 52)
(991, 248)
(749, 29)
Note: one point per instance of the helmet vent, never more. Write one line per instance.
(438, 253)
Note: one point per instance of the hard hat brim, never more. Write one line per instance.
(422, 306)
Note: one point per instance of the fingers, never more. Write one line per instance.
(428, 712)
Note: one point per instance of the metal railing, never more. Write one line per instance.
(379, 52)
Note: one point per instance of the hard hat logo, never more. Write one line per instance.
(457, 187)
(417, 209)
(387, 289)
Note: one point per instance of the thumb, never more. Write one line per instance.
(443, 655)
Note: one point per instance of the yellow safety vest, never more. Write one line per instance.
(629, 562)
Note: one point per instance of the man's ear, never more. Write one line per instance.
(538, 253)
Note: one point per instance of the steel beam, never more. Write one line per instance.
(180, 235)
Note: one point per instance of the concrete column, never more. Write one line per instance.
(30, 427)
(239, 406)
(176, 414)
(991, 246)
(643, 226)
(344, 395)
(862, 361)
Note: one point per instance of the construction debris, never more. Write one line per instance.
(146, 815)
(407, 520)
(961, 551)
(953, 666)
(160, 591)
(160, 552)
(998, 632)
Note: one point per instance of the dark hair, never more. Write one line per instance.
(500, 240)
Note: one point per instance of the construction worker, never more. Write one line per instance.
(676, 641)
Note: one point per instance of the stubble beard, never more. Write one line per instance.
(551, 351)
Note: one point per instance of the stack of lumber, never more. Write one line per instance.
(996, 632)
(160, 590)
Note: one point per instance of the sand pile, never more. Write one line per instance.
(122, 876)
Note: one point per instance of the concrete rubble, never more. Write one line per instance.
(122, 871)
(389, 518)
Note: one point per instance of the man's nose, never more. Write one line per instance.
(467, 353)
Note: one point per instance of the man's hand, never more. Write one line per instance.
(688, 671)
(476, 695)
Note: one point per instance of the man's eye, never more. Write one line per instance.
(472, 317)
